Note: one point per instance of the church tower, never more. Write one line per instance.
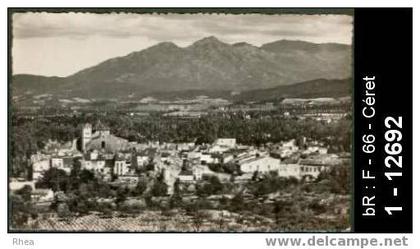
(86, 135)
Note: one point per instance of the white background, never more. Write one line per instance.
(184, 241)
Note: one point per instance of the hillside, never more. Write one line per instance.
(207, 64)
(310, 89)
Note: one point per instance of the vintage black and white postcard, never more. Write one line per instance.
(209, 120)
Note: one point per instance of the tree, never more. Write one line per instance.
(74, 177)
(104, 190)
(337, 178)
(237, 202)
(63, 210)
(150, 164)
(176, 198)
(122, 194)
(87, 176)
(21, 210)
(55, 179)
(25, 193)
(159, 189)
(255, 176)
(217, 185)
(177, 189)
(281, 209)
(175, 201)
(140, 188)
(211, 186)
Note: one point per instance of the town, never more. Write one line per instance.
(211, 185)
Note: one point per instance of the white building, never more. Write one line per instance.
(94, 165)
(287, 148)
(57, 162)
(226, 142)
(199, 170)
(42, 195)
(186, 177)
(300, 171)
(39, 167)
(63, 163)
(128, 179)
(316, 149)
(207, 159)
(121, 167)
(227, 158)
(142, 160)
(311, 170)
(193, 155)
(222, 145)
(218, 149)
(260, 164)
(16, 185)
(290, 170)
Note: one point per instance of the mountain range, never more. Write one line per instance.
(206, 65)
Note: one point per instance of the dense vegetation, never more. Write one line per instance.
(289, 204)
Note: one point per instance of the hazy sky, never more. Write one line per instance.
(60, 44)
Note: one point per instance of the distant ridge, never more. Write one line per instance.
(207, 64)
(318, 88)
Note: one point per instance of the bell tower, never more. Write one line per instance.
(86, 135)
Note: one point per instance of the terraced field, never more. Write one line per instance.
(154, 221)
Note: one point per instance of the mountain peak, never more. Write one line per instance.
(165, 45)
(208, 41)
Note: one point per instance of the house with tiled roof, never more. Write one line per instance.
(96, 162)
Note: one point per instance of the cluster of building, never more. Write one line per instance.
(120, 161)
